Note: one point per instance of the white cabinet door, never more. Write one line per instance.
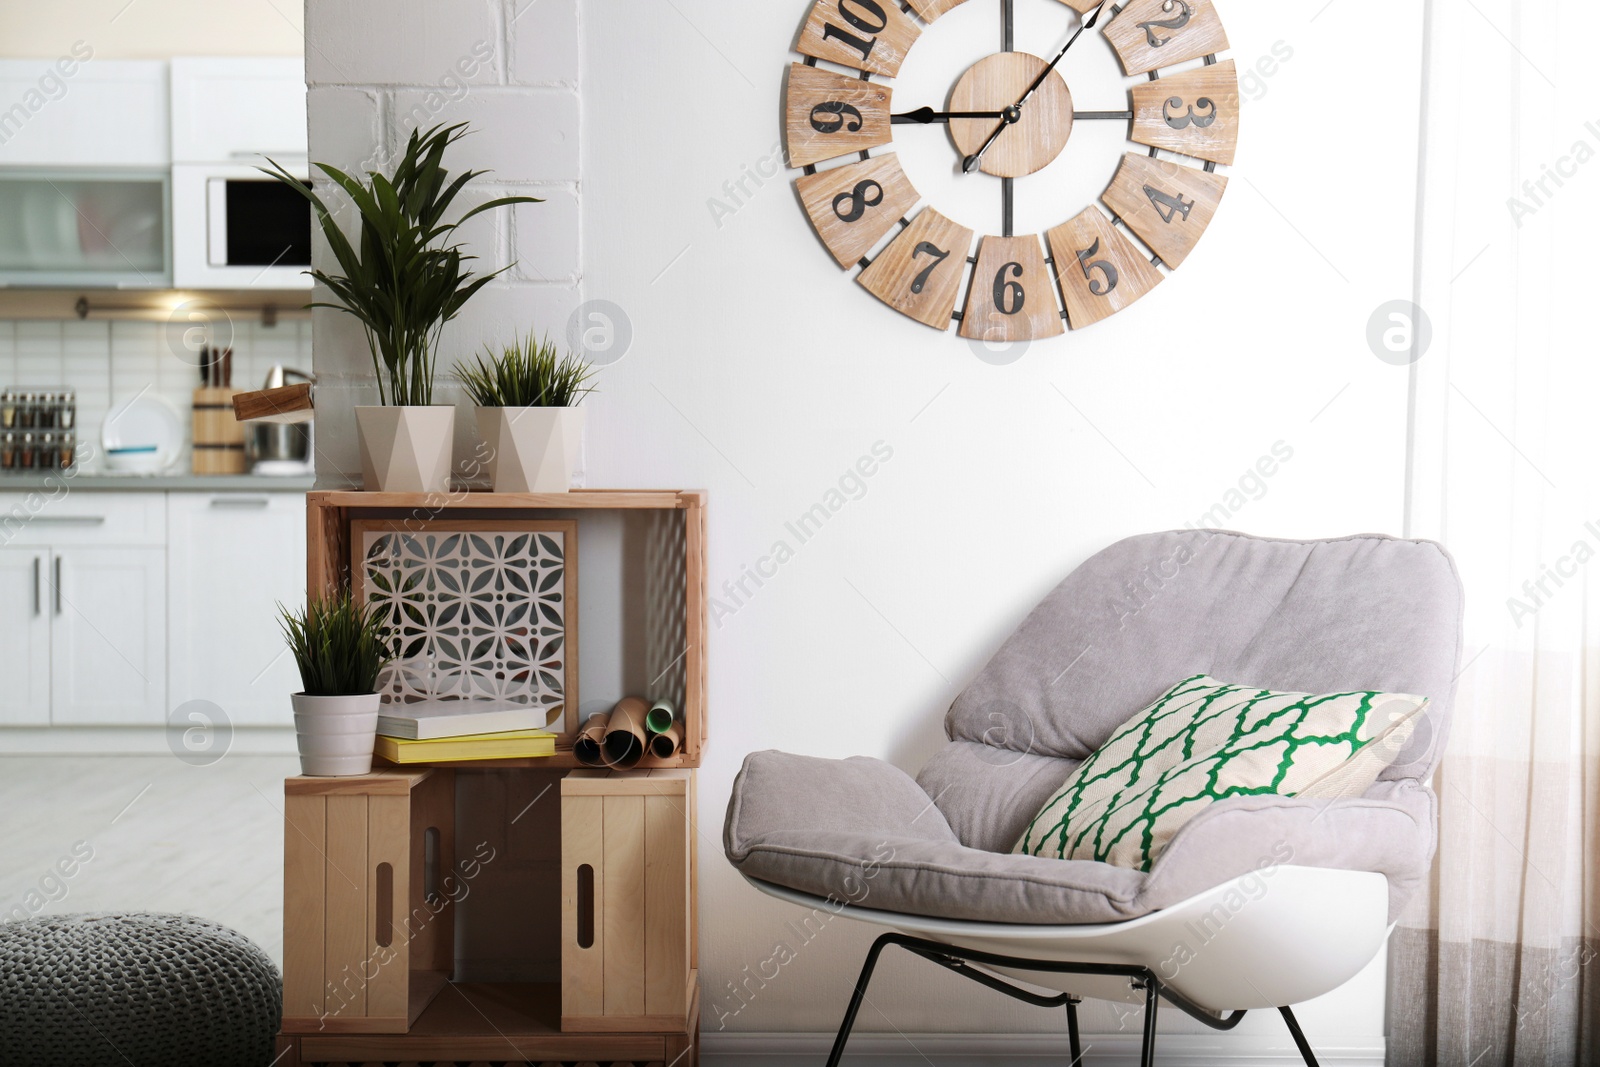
(108, 640)
(238, 109)
(24, 637)
(233, 558)
(73, 112)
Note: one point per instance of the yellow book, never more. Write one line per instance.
(513, 744)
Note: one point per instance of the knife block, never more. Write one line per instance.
(218, 436)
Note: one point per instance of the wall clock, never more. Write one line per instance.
(1007, 117)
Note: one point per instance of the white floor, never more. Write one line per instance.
(162, 836)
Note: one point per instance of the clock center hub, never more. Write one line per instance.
(1036, 137)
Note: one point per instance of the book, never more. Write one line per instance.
(512, 744)
(431, 719)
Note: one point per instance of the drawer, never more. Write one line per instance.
(66, 516)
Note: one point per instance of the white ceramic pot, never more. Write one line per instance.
(336, 734)
(406, 450)
(531, 450)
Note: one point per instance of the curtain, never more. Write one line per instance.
(1498, 965)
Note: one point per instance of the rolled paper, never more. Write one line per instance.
(664, 745)
(587, 745)
(660, 716)
(625, 734)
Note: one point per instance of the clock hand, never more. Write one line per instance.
(924, 116)
(970, 164)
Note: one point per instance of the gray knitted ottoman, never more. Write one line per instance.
(134, 990)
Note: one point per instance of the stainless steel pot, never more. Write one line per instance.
(279, 448)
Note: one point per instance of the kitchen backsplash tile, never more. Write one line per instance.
(108, 363)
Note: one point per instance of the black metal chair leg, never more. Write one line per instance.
(1152, 998)
(1073, 1041)
(1299, 1037)
(856, 998)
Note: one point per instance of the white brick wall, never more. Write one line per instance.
(376, 69)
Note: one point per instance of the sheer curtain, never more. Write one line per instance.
(1499, 965)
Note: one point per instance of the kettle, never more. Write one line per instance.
(280, 449)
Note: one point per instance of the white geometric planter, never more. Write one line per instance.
(406, 449)
(336, 734)
(531, 450)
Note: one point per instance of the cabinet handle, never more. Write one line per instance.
(58, 585)
(38, 582)
(69, 520)
(253, 502)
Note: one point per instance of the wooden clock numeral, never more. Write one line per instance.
(870, 35)
(920, 273)
(1011, 298)
(1167, 204)
(1101, 271)
(853, 206)
(1195, 113)
(928, 10)
(1150, 34)
(828, 115)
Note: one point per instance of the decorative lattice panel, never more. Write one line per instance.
(479, 609)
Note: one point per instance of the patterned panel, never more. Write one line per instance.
(481, 610)
(666, 641)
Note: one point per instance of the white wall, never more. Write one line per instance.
(151, 29)
(762, 373)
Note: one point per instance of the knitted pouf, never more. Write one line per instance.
(134, 990)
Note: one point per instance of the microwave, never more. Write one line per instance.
(234, 227)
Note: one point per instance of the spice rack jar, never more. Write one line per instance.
(38, 429)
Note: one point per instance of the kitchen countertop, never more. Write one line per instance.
(105, 481)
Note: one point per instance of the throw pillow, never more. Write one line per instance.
(1205, 741)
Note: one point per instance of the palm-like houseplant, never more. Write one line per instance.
(403, 277)
(527, 398)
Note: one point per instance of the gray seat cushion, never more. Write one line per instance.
(1359, 612)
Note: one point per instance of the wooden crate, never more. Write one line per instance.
(369, 890)
(627, 899)
(678, 568)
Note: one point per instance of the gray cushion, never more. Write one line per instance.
(900, 855)
(1367, 612)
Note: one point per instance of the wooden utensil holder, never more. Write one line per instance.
(218, 436)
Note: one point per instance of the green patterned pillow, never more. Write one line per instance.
(1205, 741)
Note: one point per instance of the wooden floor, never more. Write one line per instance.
(165, 836)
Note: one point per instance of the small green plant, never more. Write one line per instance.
(339, 647)
(526, 374)
(402, 278)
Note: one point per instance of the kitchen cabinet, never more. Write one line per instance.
(84, 227)
(232, 558)
(118, 607)
(24, 637)
(75, 111)
(108, 636)
(84, 636)
(237, 109)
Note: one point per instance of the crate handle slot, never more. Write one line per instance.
(585, 906)
(384, 934)
(430, 864)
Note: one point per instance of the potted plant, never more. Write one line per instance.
(340, 649)
(403, 278)
(527, 411)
